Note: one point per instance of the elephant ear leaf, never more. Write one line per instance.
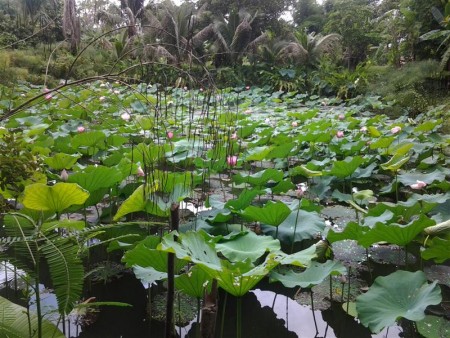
(14, 322)
(400, 294)
(66, 271)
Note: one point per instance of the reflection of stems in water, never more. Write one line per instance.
(197, 331)
(239, 318)
(287, 313)
(223, 314)
(312, 309)
(274, 299)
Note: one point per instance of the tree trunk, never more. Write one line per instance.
(71, 25)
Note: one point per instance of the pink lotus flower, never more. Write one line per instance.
(247, 87)
(169, 135)
(248, 111)
(294, 124)
(45, 90)
(418, 185)
(140, 172)
(201, 89)
(363, 129)
(48, 97)
(125, 116)
(64, 175)
(339, 134)
(81, 129)
(341, 117)
(396, 130)
(234, 136)
(232, 160)
(102, 98)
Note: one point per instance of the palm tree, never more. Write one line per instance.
(234, 38)
(309, 48)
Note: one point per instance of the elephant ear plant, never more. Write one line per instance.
(34, 236)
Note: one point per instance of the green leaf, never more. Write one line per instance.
(400, 294)
(14, 322)
(148, 275)
(434, 327)
(249, 246)
(272, 213)
(258, 153)
(304, 171)
(136, 202)
(194, 282)
(437, 249)
(301, 258)
(313, 275)
(400, 234)
(66, 271)
(61, 161)
(89, 139)
(260, 178)
(347, 167)
(351, 231)
(299, 225)
(240, 277)
(55, 198)
(96, 177)
(395, 163)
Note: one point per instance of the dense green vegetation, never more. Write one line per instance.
(117, 120)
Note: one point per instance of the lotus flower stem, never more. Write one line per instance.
(222, 325)
(239, 318)
(312, 309)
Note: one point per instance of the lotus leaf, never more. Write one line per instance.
(400, 294)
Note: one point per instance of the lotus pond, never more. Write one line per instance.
(132, 211)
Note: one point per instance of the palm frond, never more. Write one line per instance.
(241, 37)
(293, 52)
(66, 271)
(204, 35)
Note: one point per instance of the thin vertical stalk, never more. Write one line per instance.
(313, 312)
(38, 303)
(239, 317)
(197, 330)
(222, 324)
(174, 223)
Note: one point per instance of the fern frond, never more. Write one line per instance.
(66, 271)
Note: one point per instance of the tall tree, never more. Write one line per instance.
(71, 25)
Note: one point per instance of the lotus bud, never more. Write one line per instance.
(340, 134)
(232, 160)
(81, 129)
(169, 135)
(64, 175)
(396, 130)
(140, 172)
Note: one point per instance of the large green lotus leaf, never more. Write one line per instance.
(258, 153)
(15, 323)
(301, 258)
(313, 275)
(55, 198)
(395, 162)
(437, 249)
(400, 234)
(347, 167)
(427, 126)
(299, 225)
(193, 247)
(260, 178)
(240, 277)
(218, 216)
(136, 202)
(142, 255)
(400, 294)
(384, 218)
(352, 231)
(61, 161)
(400, 149)
(94, 138)
(194, 282)
(382, 143)
(281, 151)
(272, 213)
(409, 178)
(244, 199)
(283, 187)
(434, 327)
(96, 177)
(148, 275)
(250, 246)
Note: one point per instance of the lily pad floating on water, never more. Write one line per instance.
(400, 294)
